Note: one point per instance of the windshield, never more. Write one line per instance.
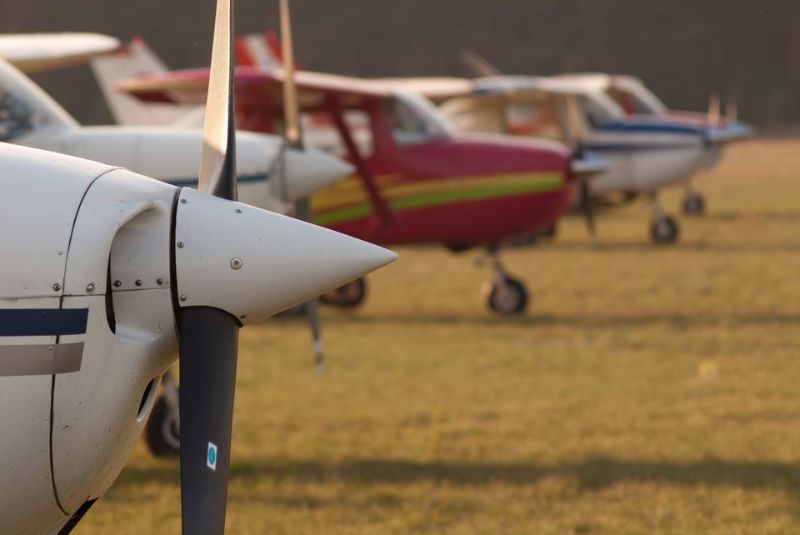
(599, 109)
(16, 116)
(414, 120)
(635, 99)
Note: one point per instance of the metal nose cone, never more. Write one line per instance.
(253, 263)
(311, 170)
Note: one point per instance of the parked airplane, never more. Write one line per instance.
(417, 180)
(648, 146)
(106, 275)
(28, 116)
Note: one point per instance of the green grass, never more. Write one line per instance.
(649, 390)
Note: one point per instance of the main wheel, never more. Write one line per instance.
(348, 296)
(507, 296)
(664, 231)
(162, 433)
(694, 204)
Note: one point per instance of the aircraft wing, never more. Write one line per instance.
(257, 88)
(36, 52)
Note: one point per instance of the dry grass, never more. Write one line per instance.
(650, 390)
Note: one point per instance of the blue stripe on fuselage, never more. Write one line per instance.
(650, 128)
(632, 147)
(192, 182)
(43, 322)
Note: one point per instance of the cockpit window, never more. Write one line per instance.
(16, 117)
(600, 109)
(413, 120)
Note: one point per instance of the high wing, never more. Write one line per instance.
(37, 52)
(258, 88)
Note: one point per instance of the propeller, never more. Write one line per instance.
(478, 64)
(581, 166)
(732, 112)
(208, 336)
(293, 135)
(713, 117)
(233, 264)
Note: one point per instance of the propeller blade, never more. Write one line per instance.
(732, 112)
(479, 65)
(713, 109)
(291, 110)
(217, 167)
(208, 336)
(587, 208)
(294, 139)
(208, 354)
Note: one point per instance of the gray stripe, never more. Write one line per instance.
(47, 359)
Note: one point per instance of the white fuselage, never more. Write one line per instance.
(66, 435)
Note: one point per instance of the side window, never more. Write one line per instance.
(528, 119)
(16, 117)
(409, 125)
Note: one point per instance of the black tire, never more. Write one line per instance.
(508, 297)
(551, 232)
(694, 205)
(664, 231)
(162, 434)
(350, 295)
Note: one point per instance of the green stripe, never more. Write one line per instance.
(341, 215)
(485, 192)
(444, 197)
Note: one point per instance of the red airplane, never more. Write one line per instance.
(418, 181)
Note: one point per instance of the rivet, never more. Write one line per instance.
(238, 210)
(90, 287)
(56, 287)
(138, 282)
(236, 263)
(180, 245)
(159, 281)
(183, 298)
(61, 253)
(183, 201)
(117, 284)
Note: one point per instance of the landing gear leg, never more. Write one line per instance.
(664, 229)
(693, 202)
(506, 295)
(162, 433)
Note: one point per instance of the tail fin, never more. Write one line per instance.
(262, 50)
(25, 108)
(131, 61)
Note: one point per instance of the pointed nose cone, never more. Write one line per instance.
(252, 263)
(312, 170)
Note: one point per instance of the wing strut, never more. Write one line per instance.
(367, 179)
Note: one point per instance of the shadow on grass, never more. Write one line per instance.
(591, 474)
(674, 320)
(688, 247)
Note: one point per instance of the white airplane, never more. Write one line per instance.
(648, 147)
(106, 274)
(271, 175)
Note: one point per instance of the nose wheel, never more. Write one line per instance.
(506, 295)
(694, 204)
(350, 295)
(162, 434)
(664, 229)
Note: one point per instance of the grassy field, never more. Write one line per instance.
(648, 390)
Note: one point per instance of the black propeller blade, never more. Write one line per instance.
(208, 337)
